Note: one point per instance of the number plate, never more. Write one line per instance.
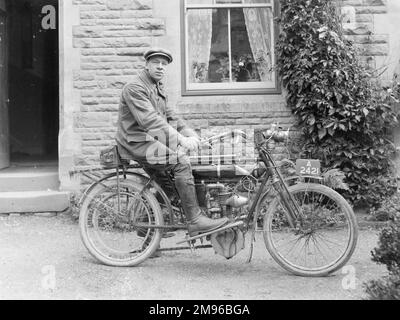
(310, 168)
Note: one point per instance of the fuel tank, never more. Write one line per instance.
(219, 171)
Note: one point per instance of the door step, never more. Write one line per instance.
(32, 188)
(29, 179)
(34, 201)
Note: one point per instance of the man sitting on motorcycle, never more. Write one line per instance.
(150, 133)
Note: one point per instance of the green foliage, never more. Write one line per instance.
(334, 179)
(389, 209)
(387, 253)
(75, 205)
(346, 120)
(387, 288)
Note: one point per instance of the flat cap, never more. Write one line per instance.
(153, 52)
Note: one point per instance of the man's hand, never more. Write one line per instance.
(190, 143)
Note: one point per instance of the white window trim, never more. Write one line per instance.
(228, 6)
(231, 87)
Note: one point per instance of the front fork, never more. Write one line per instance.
(293, 211)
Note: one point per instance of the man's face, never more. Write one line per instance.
(157, 67)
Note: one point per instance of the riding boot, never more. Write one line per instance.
(197, 222)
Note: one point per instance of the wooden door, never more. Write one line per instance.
(4, 125)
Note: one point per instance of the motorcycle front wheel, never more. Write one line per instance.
(320, 240)
(115, 226)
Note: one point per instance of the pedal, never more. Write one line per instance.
(200, 236)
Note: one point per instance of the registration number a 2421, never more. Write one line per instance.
(305, 167)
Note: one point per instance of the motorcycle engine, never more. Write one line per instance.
(227, 199)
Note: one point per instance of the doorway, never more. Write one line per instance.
(33, 81)
(4, 145)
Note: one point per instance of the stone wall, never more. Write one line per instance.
(360, 25)
(109, 38)
(261, 111)
(376, 32)
(112, 36)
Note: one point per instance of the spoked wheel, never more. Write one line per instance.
(322, 240)
(116, 229)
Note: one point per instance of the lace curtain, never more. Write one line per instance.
(258, 24)
(199, 38)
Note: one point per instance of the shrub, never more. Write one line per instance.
(389, 209)
(75, 205)
(346, 120)
(387, 253)
(387, 288)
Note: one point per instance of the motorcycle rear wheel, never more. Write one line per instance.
(322, 242)
(109, 228)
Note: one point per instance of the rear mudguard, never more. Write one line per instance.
(143, 179)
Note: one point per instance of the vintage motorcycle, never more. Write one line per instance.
(309, 229)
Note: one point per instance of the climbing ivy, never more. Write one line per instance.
(345, 118)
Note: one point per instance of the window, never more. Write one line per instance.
(229, 47)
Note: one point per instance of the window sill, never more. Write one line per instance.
(223, 92)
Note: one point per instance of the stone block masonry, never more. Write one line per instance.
(360, 26)
(112, 36)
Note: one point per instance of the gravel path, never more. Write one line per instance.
(43, 258)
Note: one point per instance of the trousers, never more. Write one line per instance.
(166, 161)
(157, 159)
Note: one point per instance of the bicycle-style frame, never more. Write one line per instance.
(271, 188)
(271, 174)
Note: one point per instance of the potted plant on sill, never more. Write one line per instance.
(224, 69)
(199, 71)
(244, 69)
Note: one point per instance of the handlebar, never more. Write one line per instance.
(275, 133)
(235, 133)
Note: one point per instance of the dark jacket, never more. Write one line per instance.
(144, 114)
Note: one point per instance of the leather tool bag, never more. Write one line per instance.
(109, 158)
(228, 243)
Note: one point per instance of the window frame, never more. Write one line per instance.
(276, 90)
